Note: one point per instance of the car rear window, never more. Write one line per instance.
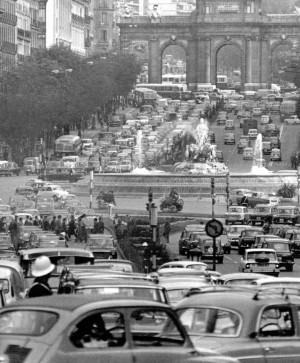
(27, 322)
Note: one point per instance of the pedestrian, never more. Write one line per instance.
(58, 225)
(52, 224)
(64, 227)
(45, 224)
(41, 269)
(82, 231)
(245, 201)
(3, 225)
(101, 225)
(36, 221)
(14, 233)
(72, 227)
(167, 230)
(27, 222)
(96, 226)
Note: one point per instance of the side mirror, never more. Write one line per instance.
(253, 335)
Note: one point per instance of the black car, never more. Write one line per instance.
(286, 214)
(260, 214)
(247, 239)
(283, 250)
(293, 235)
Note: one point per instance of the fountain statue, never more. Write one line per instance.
(258, 166)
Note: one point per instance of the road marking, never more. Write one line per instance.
(230, 259)
(281, 131)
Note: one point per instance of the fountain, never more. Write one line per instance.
(258, 167)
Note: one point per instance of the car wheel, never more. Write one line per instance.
(226, 223)
(220, 260)
(290, 268)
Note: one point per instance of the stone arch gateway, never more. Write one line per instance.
(211, 26)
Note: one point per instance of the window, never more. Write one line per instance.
(276, 321)
(104, 35)
(159, 325)
(99, 330)
(104, 18)
(210, 321)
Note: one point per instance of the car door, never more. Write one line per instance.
(156, 337)
(98, 336)
(277, 334)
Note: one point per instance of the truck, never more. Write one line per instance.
(249, 123)
(288, 107)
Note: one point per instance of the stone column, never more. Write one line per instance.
(154, 67)
(191, 64)
(208, 60)
(202, 61)
(248, 64)
(265, 61)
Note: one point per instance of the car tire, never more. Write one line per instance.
(221, 260)
(289, 268)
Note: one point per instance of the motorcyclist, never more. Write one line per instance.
(174, 195)
(245, 201)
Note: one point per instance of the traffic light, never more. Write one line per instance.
(148, 206)
(150, 196)
(213, 199)
(212, 181)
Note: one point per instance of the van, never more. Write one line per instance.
(32, 165)
(265, 119)
(229, 125)
(252, 133)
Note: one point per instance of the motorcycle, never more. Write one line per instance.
(171, 204)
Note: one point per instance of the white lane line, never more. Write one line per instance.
(281, 131)
(230, 259)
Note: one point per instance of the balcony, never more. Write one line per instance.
(8, 48)
(35, 24)
(78, 19)
(8, 18)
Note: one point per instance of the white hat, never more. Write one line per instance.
(42, 266)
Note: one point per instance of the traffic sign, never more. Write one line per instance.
(214, 228)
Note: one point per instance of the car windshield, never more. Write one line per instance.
(250, 233)
(277, 246)
(235, 210)
(253, 255)
(262, 210)
(285, 211)
(27, 322)
(210, 321)
(151, 294)
(101, 242)
(238, 282)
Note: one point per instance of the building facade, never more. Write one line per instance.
(68, 23)
(170, 7)
(8, 34)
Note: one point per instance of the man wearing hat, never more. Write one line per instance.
(41, 269)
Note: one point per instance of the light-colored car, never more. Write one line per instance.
(233, 233)
(237, 214)
(248, 153)
(243, 143)
(292, 120)
(275, 155)
(229, 138)
(256, 111)
(252, 133)
(229, 125)
(260, 260)
(195, 265)
(264, 119)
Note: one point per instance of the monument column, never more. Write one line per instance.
(191, 64)
(208, 60)
(265, 61)
(202, 61)
(154, 67)
(248, 65)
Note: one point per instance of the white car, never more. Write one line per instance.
(292, 120)
(195, 265)
(260, 260)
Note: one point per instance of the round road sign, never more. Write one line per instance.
(214, 228)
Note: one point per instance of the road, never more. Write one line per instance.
(231, 262)
(289, 136)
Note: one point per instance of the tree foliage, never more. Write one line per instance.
(56, 87)
(287, 191)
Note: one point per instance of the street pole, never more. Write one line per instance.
(153, 223)
(213, 201)
(91, 188)
(227, 190)
(298, 184)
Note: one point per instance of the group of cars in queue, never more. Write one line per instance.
(257, 116)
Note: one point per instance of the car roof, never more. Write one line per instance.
(97, 280)
(73, 302)
(184, 263)
(242, 276)
(238, 299)
(260, 250)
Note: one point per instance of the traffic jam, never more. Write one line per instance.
(69, 294)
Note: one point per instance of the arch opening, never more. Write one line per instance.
(282, 72)
(229, 67)
(174, 64)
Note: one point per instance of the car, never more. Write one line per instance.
(237, 214)
(277, 283)
(266, 147)
(178, 287)
(275, 155)
(252, 133)
(247, 239)
(283, 249)
(221, 120)
(185, 236)
(103, 246)
(212, 137)
(243, 143)
(260, 260)
(195, 265)
(265, 119)
(219, 156)
(293, 235)
(248, 153)
(82, 328)
(229, 125)
(240, 279)
(256, 111)
(233, 234)
(229, 138)
(252, 326)
(292, 120)
(207, 248)
(286, 214)
(260, 214)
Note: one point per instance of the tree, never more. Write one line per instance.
(56, 87)
(287, 191)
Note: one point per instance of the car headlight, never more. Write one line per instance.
(247, 265)
(277, 265)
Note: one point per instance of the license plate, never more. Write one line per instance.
(264, 268)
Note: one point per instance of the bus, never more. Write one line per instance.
(68, 145)
(173, 91)
(222, 81)
(174, 78)
(144, 96)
